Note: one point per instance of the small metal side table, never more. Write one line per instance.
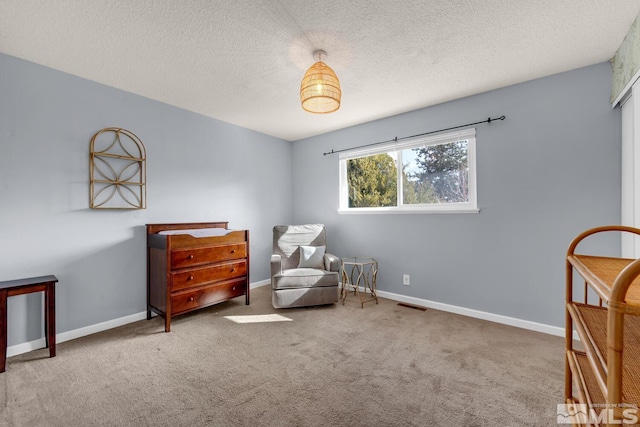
(359, 278)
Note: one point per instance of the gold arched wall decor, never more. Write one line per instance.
(117, 167)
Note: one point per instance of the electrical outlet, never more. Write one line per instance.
(406, 280)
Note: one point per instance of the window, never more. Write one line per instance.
(423, 174)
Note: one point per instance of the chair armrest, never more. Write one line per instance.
(276, 264)
(331, 262)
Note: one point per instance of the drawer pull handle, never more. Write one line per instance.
(234, 288)
(190, 278)
(233, 269)
(190, 257)
(190, 299)
(233, 251)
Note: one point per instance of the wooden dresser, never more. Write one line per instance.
(186, 272)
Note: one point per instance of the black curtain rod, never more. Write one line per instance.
(396, 139)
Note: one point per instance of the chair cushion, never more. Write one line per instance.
(312, 257)
(287, 240)
(304, 278)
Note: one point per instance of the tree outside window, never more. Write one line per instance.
(434, 175)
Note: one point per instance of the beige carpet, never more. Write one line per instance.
(384, 365)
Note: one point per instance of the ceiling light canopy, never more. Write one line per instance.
(320, 88)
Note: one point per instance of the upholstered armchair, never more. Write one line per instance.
(302, 272)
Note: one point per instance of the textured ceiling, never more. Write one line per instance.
(241, 61)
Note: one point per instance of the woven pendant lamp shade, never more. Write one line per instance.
(320, 89)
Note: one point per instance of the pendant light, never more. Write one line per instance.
(320, 88)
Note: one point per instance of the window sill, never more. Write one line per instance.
(410, 210)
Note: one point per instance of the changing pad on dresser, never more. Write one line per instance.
(200, 232)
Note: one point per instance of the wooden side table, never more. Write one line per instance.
(12, 288)
(359, 272)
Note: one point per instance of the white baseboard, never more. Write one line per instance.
(76, 333)
(260, 283)
(26, 347)
(505, 320)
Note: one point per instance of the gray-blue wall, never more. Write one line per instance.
(546, 173)
(549, 171)
(198, 169)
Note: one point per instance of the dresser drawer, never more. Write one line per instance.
(189, 300)
(183, 258)
(199, 276)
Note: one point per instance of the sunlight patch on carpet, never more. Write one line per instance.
(259, 318)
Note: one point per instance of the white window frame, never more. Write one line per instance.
(470, 206)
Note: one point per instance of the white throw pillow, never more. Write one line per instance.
(312, 256)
